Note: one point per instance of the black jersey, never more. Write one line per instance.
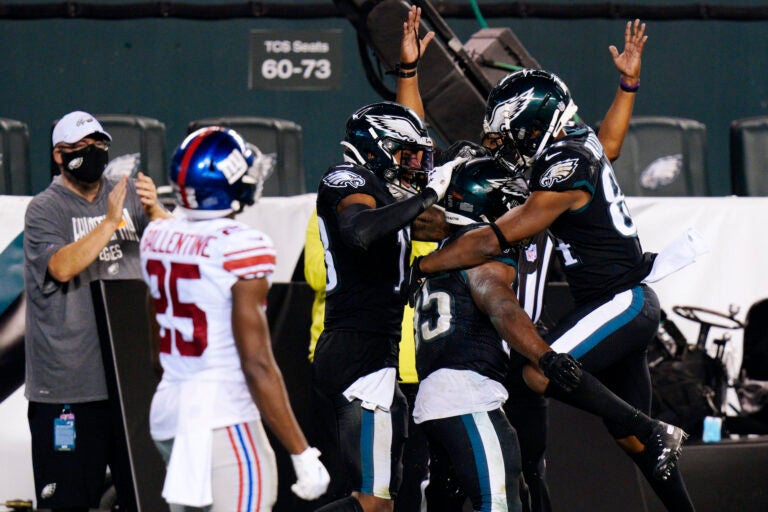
(362, 287)
(451, 332)
(597, 245)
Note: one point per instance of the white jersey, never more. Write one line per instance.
(190, 267)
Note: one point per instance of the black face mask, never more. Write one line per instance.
(86, 165)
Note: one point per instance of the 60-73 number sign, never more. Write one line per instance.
(295, 59)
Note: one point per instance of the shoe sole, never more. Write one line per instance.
(664, 468)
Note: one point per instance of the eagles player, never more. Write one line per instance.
(526, 410)
(366, 207)
(574, 194)
(209, 276)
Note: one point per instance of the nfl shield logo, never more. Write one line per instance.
(530, 253)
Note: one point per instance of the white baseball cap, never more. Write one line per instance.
(76, 126)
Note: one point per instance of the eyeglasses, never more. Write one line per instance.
(100, 144)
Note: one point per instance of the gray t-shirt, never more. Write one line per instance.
(63, 354)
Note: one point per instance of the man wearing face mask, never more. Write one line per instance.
(82, 228)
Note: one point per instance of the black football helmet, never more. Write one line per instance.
(377, 131)
(482, 190)
(526, 109)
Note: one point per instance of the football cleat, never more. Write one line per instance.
(666, 443)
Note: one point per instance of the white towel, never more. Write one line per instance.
(679, 253)
(188, 476)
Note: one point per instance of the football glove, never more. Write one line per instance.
(312, 478)
(414, 278)
(440, 177)
(561, 369)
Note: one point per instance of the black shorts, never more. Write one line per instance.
(71, 478)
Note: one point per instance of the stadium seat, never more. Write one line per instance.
(663, 156)
(272, 136)
(15, 176)
(138, 143)
(749, 156)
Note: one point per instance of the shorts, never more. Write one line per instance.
(371, 442)
(68, 479)
(243, 470)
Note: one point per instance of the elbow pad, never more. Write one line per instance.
(360, 225)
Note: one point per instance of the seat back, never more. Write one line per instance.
(272, 136)
(663, 156)
(749, 156)
(15, 176)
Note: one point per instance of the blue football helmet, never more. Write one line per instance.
(376, 132)
(525, 111)
(482, 190)
(214, 172)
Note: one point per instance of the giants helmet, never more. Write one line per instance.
(376, 132)
(482, 190)
(527, 109)
(214, 172)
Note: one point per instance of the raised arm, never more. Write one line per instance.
(411, 50)
(614, 127)
(71, 259)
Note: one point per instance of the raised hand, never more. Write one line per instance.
(411, 47)
(116, 201)
(628, 62)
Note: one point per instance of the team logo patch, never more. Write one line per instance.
(531, 252)
(505, 112)
(403, 128)
(661, 172)
(343, 178)
(558, 172)
(48, 491)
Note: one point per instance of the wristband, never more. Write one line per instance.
(628, 88)
(408, 65)
(406, 74)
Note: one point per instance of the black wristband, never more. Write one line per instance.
(428, 198)
(406, 74)
(407, 66)
(504, 245)
(629, 88)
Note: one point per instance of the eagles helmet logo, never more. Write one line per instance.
(558, 172)
(344, 178)
(403, 128)
(508, 110)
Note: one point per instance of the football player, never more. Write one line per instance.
(526, 410)
(368, 208)
(208, 276)
(574, 194)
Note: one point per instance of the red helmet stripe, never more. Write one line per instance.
(181, 179)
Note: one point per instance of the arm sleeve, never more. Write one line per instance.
(362, 225)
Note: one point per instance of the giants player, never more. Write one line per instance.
(209, 276)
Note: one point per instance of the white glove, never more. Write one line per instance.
(440, 177)
(312, 478)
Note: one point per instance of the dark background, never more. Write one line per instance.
(179, 70)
